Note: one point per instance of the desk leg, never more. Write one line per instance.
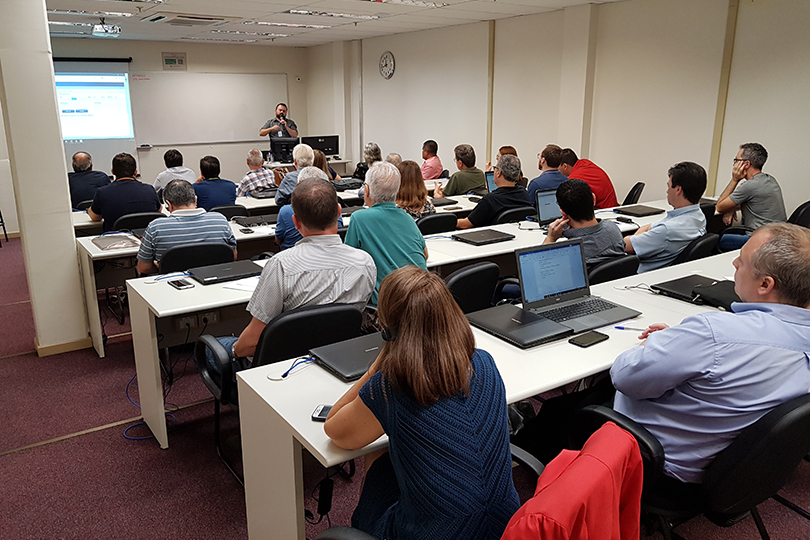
(274, 479)
(147, 363)
(91, 300)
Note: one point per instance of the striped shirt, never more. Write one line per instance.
(181, 228)
(318, 270)
(256, 179)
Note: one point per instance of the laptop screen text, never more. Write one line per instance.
(552, 272)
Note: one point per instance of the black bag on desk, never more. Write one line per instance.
(721, 294)
(347, 183)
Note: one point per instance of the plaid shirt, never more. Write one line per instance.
(257, 179)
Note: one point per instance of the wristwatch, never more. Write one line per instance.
(233, 350)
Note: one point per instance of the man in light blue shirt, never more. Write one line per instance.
(550, 176)
(303, 156)
(659, 244)
(696, 386)
(287, 235)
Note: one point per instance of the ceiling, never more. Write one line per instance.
(246, 21)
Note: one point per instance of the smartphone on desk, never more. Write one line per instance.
(588, 338)
(181, 284)
(320, 413)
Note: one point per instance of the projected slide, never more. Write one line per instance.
(94, 105)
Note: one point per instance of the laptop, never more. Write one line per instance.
(548, 211)
(256, 221)
(349, 360)
(639, 210)
(554, 284)
(219, 273)
(443, 201)
(681, 288)
(491, 181)
(483, 237)
(517, 326)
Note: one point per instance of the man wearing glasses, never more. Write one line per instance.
(755, 193)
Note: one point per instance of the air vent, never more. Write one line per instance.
(180, 19)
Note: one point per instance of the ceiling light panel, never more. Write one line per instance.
(333, 14)
(288, 25)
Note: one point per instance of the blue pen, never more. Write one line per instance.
(629, 328)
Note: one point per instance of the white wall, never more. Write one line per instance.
(7, 202)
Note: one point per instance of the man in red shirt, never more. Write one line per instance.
(590, 172)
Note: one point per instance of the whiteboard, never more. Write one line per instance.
(192, 108)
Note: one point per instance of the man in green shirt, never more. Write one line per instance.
(468, 178)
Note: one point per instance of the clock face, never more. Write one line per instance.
(387, 65)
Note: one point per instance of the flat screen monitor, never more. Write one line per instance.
(328, 144)
(282, 147)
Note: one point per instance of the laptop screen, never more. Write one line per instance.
(491, 181)
(551, 270)
(547, 208)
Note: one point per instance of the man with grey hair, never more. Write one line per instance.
(384, 231)
(394, 159)
(468, 178)
(186, 225)
(508, 195)
(257, 178)
(84, 181)
(287, 235)
(303, 156)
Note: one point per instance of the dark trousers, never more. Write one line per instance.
(380, 492)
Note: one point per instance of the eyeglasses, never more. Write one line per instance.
(539, 155)
(739, 159)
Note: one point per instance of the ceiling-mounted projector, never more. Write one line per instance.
(106, 30)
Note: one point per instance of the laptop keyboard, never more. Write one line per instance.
(574, 311)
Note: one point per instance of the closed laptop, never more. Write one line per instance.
(349, 360)
(517, 326)
(483, 237)
(231, 271)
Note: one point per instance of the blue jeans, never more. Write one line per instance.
(226, 342)
(730, 242)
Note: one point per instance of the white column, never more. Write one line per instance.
(39, 177)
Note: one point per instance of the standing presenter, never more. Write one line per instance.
(280, 126)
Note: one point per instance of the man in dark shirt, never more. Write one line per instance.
(210, 188)
(124, 196)
(84, 181)
(508, 195)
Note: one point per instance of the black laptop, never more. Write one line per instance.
(231, 271)
(443, 201)
(349, 360)
(517, 326)
(682, 288)
(639, 210)
(483, 237)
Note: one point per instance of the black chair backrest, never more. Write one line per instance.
(342, 232)
(634, 194)
(138, 220)
(437, 223)
(295, 332)
(515, 214)
(231, 211)
(801, 216)
(760, 460)
(474, 285)
(445, 174)
(616, 268)
(698, 248)
(84, 205)
(181, 258)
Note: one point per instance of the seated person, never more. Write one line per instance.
(384, 231)
(468, 178)
(318, 270)
(601, 240)
(659, 244)
(508, 195)
(412, 195)
(584, 169)
(447, 472)
(124, 196)
(186, 225)
(371, 155)
(212, 190)
(321, 162)
(257, 178)
(174, 170)
(303, 156)
(432, 165)
(84, 181)
(502, 151)
(394, 159)
(286, 233)
(550, 177)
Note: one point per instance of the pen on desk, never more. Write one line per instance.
(629, 328)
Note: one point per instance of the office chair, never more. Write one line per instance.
(181, 258)
(231, 211)
(616, 268)
(437, 223)
(342, 233)
(800, 216)
(84, 205)
(513, 215)
(634, 194)
(698, 248)
(445, 174)
(473, 286)
(138, 220)
(288, 335)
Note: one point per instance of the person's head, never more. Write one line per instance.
(311, 172)
(687, 182)
(209, 167)
(281, 110)
(123, 166)
(412, 192)
(173, 158)
(753, 153)
(550, 157)
(465, 154)
(394, 159)
(255, 160)
(315, 206)
(303, 156)
(774, 266)
(432, 348)
(371, 153)
(429, 149)
(382, 183)
(180, 194)
(506, 150)
(508, 168)
(320, 162)
(576, 199)
(82, 162)
(567, 161)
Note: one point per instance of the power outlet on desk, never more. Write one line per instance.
(209, 317)
(188, 320)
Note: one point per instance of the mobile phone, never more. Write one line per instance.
(320, 413)
(587, 339)
(181, 284)
(474, 198)
(624, 219)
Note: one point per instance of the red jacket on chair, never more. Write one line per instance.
(593, 494)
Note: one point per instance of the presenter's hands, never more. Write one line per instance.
(728, 217)
(655, 327)
(437, 190)
(555, 230)
(739, 169)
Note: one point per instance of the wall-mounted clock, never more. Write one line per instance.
(387, 65)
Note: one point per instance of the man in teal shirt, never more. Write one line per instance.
(384, 231)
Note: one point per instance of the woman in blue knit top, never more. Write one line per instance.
(447, 472)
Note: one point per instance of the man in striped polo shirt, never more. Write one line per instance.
(187, 224)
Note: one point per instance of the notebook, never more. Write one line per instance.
(483, 237)
(681, 288)
(548, 211)
(231, 271)
(491, 181)
(517, 326)
(116, 241)
(554, 284)
(349, 360)
(639, 210)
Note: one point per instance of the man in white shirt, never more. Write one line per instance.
(174, 170)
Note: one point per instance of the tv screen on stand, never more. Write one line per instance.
(282, 147)
(328, 144)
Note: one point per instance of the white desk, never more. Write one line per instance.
(275, 416)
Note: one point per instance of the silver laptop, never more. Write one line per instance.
(548, 211)
(554, 284)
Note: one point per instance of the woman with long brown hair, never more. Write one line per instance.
(321, 163)
(447, 472)
(412, 195)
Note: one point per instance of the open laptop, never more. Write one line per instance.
(554, 284)
(491, 181)
(349, 360)
(482, 237)
(231, 271)
(517, 326)
(548, 211)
